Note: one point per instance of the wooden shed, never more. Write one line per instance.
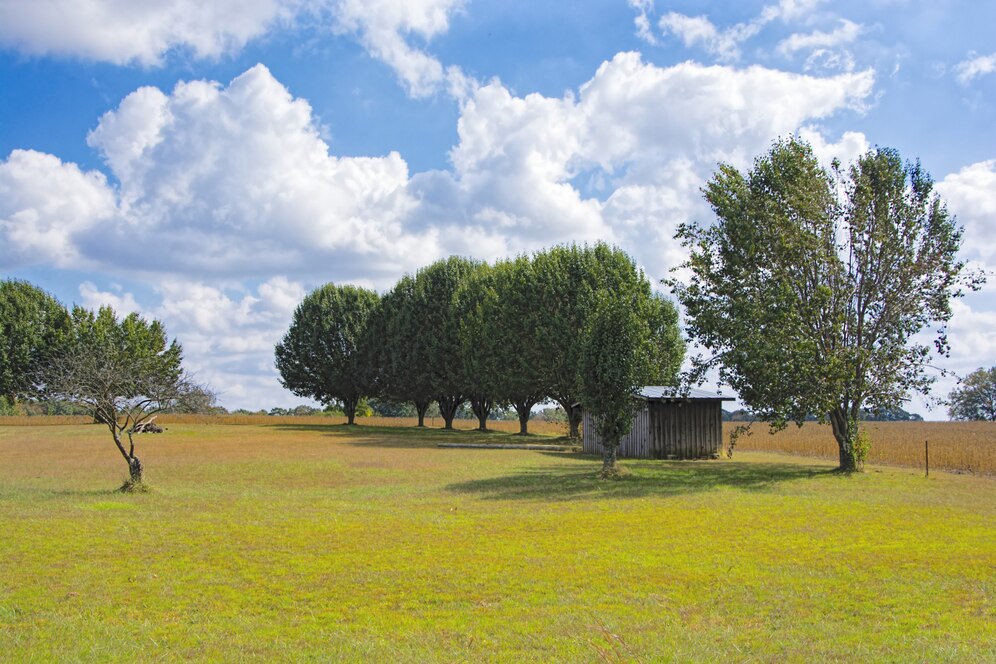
(670, 424)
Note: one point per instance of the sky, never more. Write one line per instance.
(209, 163)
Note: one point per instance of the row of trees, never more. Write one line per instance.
(558, 325)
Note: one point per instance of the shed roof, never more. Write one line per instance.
(652, 392)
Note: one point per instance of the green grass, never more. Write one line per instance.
(330, 543)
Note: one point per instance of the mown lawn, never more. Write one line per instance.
(324, 543)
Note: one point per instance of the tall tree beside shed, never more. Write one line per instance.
(33, 324)
(321, 355)
(613, 366)
(808, 301)
(125, 372)
(975, 396)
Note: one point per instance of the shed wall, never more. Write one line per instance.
(666, 430)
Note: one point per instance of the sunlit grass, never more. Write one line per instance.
(322, 542)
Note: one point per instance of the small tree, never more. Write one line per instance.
(321, 355)
(124, 371)
(809, 289)
(611, 373)
(975, 398)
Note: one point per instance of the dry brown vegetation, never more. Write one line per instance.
(956, 446)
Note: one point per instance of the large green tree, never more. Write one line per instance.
(394, 341)
(438, 345)
(481, 344)
(975, 396)
(570, 283)
(322, 356)
(615, 360)
(125, 371)
(809, 288)
(33, 324)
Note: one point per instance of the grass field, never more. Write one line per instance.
(326, 543)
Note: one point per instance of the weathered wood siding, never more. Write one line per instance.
(666, 430)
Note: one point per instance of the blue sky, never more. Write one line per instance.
(209, 163)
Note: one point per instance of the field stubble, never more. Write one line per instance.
(953, 446)
(312, 542)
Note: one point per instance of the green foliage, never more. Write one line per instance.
(125, 371)
(862, 445)
(33, 324)
(322, 354)
(612, 367)
(570, 282)
(975, 397)
(809, 301)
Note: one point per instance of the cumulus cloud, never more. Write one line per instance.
(971, 195)
(211, 180)
(384, 28)
(970, 69)
(44, 205)
(123, 31)
(622, 159)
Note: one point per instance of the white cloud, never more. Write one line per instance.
(846, 33)
(44, 204)
(725, 44)
(122, 302)
(974, 67)
(125, 31)
(971, 196)
(642, 20)
(383, 27)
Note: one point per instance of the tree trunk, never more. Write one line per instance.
(609, 459)
(134, 470)
(573, 417)
(844, 431)
(420, 407)
(523, 409)
(349, 406)
(482, 409)
(448, 407)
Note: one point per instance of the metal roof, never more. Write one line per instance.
(668, 393)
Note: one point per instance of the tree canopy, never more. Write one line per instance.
(322, 354)
(975, 396)
(33, 324)
(811, 285)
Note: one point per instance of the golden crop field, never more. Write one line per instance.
(953, 446)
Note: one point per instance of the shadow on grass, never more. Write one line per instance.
(574, 481)
(363, 435)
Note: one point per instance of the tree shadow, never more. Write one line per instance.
(414, 437)
(580, 481)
